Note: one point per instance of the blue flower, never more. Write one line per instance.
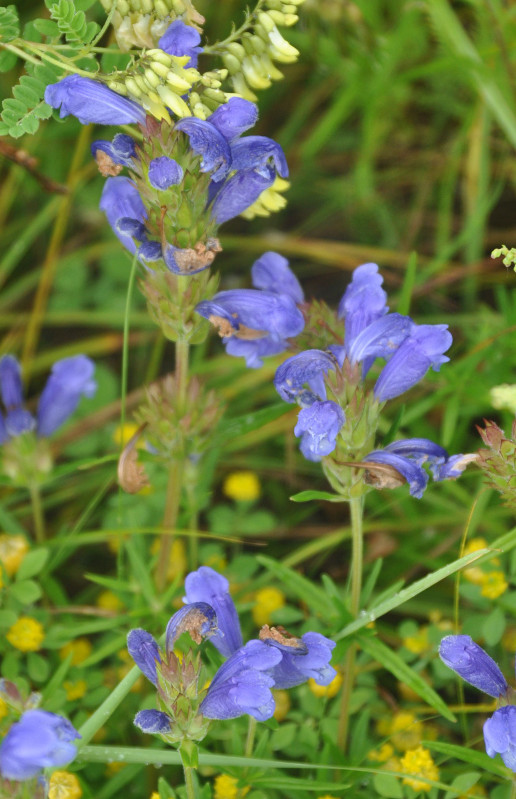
(39, 740)
(206, 585)
(92, 102)
(69, 380)
(120, 199)
(308, 368)
(318, 425)
(121, 151)
(363, 302)
(407, 457)
(467, 659)
(295, 668)
(500, 735)
(164, 172)
(254, 323)
(180, 39)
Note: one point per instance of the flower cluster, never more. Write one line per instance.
(469, 661)
(39, 740)
(243, 683)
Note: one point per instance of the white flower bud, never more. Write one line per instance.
(258, 44)
(232, 63)
(160, 56)
(266, 21)
(277, 16)
(151, 78)
(253, 75)
(161, 8)
(177, 83)
(176, 104)
(281, 50)
(132, 87)
(236, 49)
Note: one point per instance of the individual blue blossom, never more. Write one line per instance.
(407, 457)
(144, 650)
(308, 368)
(255, 323)
(271, 272)
(152, 722)
(92, 102)
(500, 735)
(363, 302)
(422, 349)
(467, 659)
(180, 39)
(239, 192)
(206, 585)
(121, 151)
(318, 425)
(243, 684)
(164, 172)
(70, 379)
(294, 668)
(39, 740)
(120, 199)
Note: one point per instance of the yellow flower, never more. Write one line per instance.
(226, 787)
(4, 710)
(114, 767)
(13, 549)
(418, 643)
(107, 600)
(75, 690)
(327, 796)
(418, 763)
(282, 699)
(242, 486)
(64, 785)
(494, 584)
(123, 435)
(178, 562)
(405, 730)
(26, 634)
(80, 649)
(267, 600)
(383, 754)
(509, 639)
(326, 690)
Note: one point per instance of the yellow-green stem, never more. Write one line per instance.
(251, 732)
(189, 783)
(37, 513)
(356, 512)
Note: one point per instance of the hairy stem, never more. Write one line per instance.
(356, 511)
(37, 513)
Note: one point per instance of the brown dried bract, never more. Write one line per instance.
(281, 636)
(106, 165)
(131, 473)
(198, 257)
(193, 623)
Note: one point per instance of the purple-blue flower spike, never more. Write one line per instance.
(500, 735)
(422, 349)
(467, 659)
(239, 192)
(164, 172)
(257, 152)
(180, 39)
(296, 667)
(271, 272)
(39, 740)
(198, 618)
(205, 585)
(70, 379)
(17, 420)
(308, 367)
(122, 150)
(92, 102)
(319, 426)
(234, 118)
(120, 198)
(363, 301)
(145, 652)
(380, 339)
(243, 684)
(210, 144)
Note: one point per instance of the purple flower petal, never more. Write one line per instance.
(145, 652)
(152, 721)
(39, 740)
(120, 198)
(208, 142)
(121, 150)
(11, 387)
(423, 349)
(271, 272)
(467, 659)
(131, 227)
(70, 379)
(273, 314)
(205, 585)
(164, 172)
(234, 117)
(364, 301)
(308, 367)
(256, 152)
(380, 339)
(413, 473)
(319, 426)
(180, 39)
(19, 421)
(296, 668)
(91, 101)
(197, 618)
(254, 351)
(239, 192)
(500, 735)
(150, 251)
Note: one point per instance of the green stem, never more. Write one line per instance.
(357, 548)
(189, 783)
(513, 789)
(108, 707)
(37, 513)
(251, 732)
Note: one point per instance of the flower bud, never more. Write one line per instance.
(176, 103)
(232, 63)
(236, 49)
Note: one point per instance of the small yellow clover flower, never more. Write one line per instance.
(242, 486)
(26, 634)
(327, 691)
(282, 701)
(13, 549)
(75, 690)
(267, 600)
(226, 787)
(418, 763)
(404, 730)
(80, 649)
(64, 785)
